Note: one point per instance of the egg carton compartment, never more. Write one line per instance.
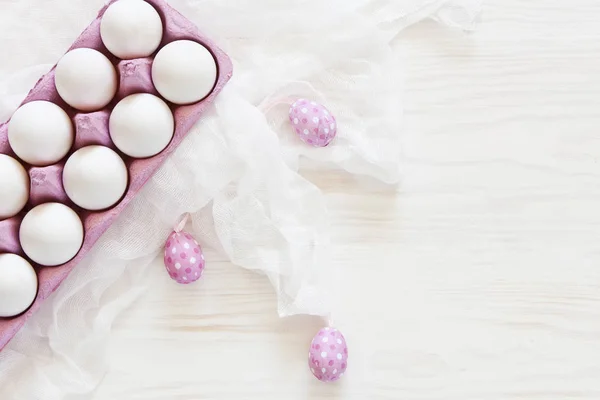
(134, 76)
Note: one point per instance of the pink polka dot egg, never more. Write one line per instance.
(328, 355)
(184, 259)
(313, 123)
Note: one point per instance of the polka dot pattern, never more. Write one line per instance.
(328, 355)
(184, 259)
(313, 123)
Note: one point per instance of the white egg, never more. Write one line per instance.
(40, 133)
(18, 285)
(14, 187)
(85, 79)
(95, 177)
(51, 234)
(131, 29)
(184, 72)
(141, 125)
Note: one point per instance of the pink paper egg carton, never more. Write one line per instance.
(92, 128)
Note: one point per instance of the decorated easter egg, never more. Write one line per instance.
(313, 123)
(328, 355)
(183, 258)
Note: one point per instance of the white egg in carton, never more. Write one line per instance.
(89, 135)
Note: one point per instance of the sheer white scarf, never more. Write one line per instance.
(239, 164)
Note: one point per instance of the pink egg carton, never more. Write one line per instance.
(92, 128)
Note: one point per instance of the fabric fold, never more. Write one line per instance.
(235, 173)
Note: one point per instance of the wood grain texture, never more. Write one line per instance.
(477, 279)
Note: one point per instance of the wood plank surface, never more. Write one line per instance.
(478, 278)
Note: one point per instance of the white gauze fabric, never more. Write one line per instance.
(335, 52)
(232, 173)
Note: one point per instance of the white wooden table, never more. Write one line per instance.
(478, 278)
